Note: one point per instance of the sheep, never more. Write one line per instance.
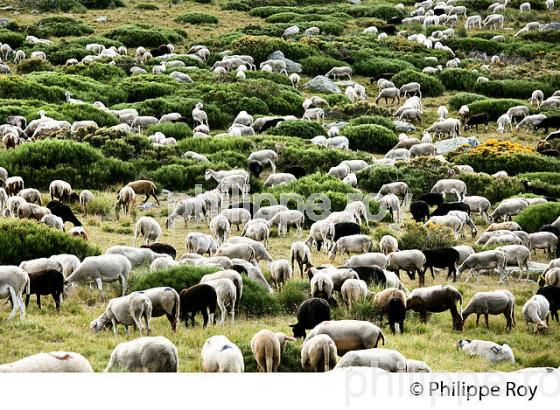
(318, 354)
(349, 334)
(525, 7)
(417, 366)
(314, 114)
(267, 212)
(321, 286)
(508, 208)
(46, 282)
(13, 282)
(144, 187)
(367, 259)
(507, 226)
(391, 204)
(267, 348)
(86, 197)
(550, 4)
(351, 244)
(103, 268)
(220, 355)
(220, 228)
(437, 299)
(148, 228)
(544, 240)
(420, 211)
(126, 310)
(261, 254)
(411, 89)
(278, 179)
(448, 126)
(495, 302)
(473, 21)
(237, 216)
(530, 121)
(310, 313)
(200, 243)
(550, 277)
(321, 232)
(162, 263)
(392, 93)
(145, 354)
(353, 291)
(31, 195)
(78, 232)
(52, 362)
(517, 254)
(494, 21)
(518, 112)
(226, 291)
(490, 351)
(32, 211)
(450, 186)
(126, 197)
(441, 258)
(280, 272)
(237, 250)
(537, 97)
(301, 253)
(503, 122)
(337, 72)
(386, 359)
(165, 301)
(187, 208)
(485, 260)
(198, 298)
(388, 244)
(68, 262)
(136, 256)
(410, 260)
(53, 221)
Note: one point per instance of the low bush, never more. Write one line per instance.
(177, 130)
(459, 99)
(532, 218)
(260, 47)
(60, 26)
(379, 65)
(254, 301)
(143, 35)
(545, 180)
(297, 128)
(22, 240)
(33, 64)
(319, 65)
(381, 11)
(470, 44)
(197, 18)
(511, 88)
(370, 137)
(495, 189)
(493, 107)
(430, 86)
(97, 71)
(20, 88)
(458, 79)
(15, 40)
(146, 6)
(417, 236)
(314, 158)
(374, 119)
(292, 295)
(80, 164)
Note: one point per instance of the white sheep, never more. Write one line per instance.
(148, 228)
(103, 268)
(52, 362)
(220, 355)
(536, 311)
(488, 350)
(145, 354)
(126, 310)
(280, 272)
(317, 351)
(267, 349)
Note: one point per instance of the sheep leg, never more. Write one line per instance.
(223, 311)
(124, 285)
(15, 307)
(39, 301)
(27, 297)
(115, 330)
(486, 319)
(204, 313)
(147, 324)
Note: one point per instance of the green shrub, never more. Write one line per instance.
(370, 137)
(378, 65)
(254, 301)
(79, 164)
(546, 180)
(297, 128)
(513, 163)
(197, 18)
(20, 88)
(22, 240)
(431, 86)
(239, 5)
(102, 4)
(549, 36)
(15, 40)
(146, 6)
(458, 79)
(142, 35)
(532, 218)
(381, 11)
(261, 47)
(61, 26)
(511, 88)
(315, 158)
(53, 5)
(286, 17)
(374, 119)
(319, 65)
(470, 44)
(493, 107)
(495, 189)
(101, 206)
(292, 295)
(97, 71)
(459, 99)
(417, 236)
(178, 130)
(33, 64)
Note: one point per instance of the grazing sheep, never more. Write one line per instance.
(32, 211)
(544, 240)
(136, 256)
(226, 296)
(237, 216)
(200, 243)
(86, 197)
(53, 221)
(188, 208)
(536, 311)
(31, 195)
(68, 262)
(267, 348)
(517, 254)
(337, 72)
(148, 228)
(220, 228)
(318, 354)
(485, 260)
(508, 208)
(46, 282)
(13, 282)
(126, 197)
(353, 291)
(300, 253)
(52, 362)
(349, 334)
(198, 298)
(280, 272)
(220, 355)
(164, 262)
(321, 286)
(495, 302)
(351, 244)
(125, 310)
(388, 244)
(284, 219)
(145, 354)
(310, 313)
(60, 190)
(103, 268)
(490, 351)
(165, 301)
(411, 261)
(450, 186)
(393, 302)
(437, 299)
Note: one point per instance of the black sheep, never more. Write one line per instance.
(273, 122)
(372, 275)
(310, 313)
(534, 189)
(159, 247)
(160, 51)
(446, 207)
(420, 211)
(394, 20)
(396, 313)
(296, 170)
(343, 229)
(198, 298)
(552, 294)
(432, 199)
(476, 120)
(439, 11)
(549, 122)
(63, 211)
(550, 228)
(255, 168)
(441, 258)
(47, 282)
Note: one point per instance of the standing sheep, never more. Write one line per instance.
(145, 354)
(128, 311)
(349, 334)
(318, 354)
(267, 348)
(495, 302)
(220, 355)
(536, 311)
(148, 228)
(280, 272)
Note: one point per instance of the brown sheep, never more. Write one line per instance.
(382, 298)
(32, 211)
(267, 348)
(13, 185)
(144, 187)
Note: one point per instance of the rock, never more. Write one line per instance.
(4, 22)
(551, 26)
(291, 66)
(291, 31)
(403, 126)
(101, 19)
(147, 205)
(322, 84)
(449, 145)
(339, 124)
(312, 31)
(355, 1)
